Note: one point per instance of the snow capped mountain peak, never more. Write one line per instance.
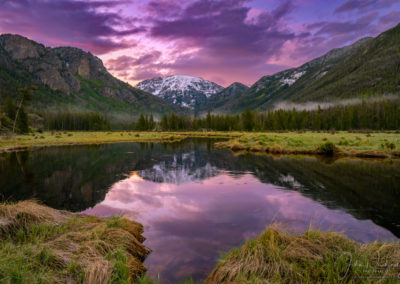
(184, 90)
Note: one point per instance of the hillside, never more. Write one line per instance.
(219, 99)
(369, 67)
(69, 78)
(185, 91)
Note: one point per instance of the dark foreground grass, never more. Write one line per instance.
(314, 257)
(42, 245)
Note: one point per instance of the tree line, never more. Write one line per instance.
(384, 115)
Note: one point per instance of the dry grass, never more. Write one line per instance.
(314, 257)
(43, 245)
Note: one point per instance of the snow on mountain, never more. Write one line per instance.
(293, 78)
(183, 90)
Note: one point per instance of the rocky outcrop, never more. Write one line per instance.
(70, 71)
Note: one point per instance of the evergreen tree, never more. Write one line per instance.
(151, 123)
(248, 120)
(25, 97)
(164, 123)
(141, 123)
(9, 108)
(208, 120)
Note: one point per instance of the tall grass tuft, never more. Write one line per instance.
(43, 245)
(314, 257)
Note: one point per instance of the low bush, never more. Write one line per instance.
(328, 149)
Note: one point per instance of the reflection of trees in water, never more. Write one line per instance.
(76, 178)
(365, 189)
(72, 178)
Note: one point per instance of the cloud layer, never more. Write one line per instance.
(219, 40)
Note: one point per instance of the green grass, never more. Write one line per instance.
(314, 257)
(42, 245)
(97, 137)
(373, 144)
(146, 279)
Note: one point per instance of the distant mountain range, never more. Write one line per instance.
(71, 78)
(369, 67)
(185, 91)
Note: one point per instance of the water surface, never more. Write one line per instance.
(196, 201)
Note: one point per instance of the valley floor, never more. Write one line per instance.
(358, 144)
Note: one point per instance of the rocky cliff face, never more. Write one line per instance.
(71, 71)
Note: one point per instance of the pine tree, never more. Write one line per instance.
(208, 119)
(248, 120)
(141, 123)
(164, 123)
(9, 108)
(151, 123)
(25, 96)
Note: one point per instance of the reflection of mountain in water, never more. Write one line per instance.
(178, 169)
(76, 178)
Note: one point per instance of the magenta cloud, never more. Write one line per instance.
(219, 40)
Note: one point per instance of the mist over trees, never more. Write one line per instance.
(373, 116)
(379, 115)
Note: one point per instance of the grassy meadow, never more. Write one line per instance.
(55, 138)
(374, 144)
(369, 144)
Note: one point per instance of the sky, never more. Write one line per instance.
(223, 41)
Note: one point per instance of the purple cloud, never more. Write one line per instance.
(223, 27)
(163, 8)
(362, 24)
(364, 5)
(65, 22)
(224, 34)
(125, 62)
(220, 40)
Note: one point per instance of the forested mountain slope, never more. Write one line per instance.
(369, 67)
(69, 78)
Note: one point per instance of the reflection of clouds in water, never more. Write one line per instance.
(188, 224)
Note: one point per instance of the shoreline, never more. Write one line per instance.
(41, 244)
(71, 138)
(380, 145)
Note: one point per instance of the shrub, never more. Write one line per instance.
(390, 145)
(328, 149)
